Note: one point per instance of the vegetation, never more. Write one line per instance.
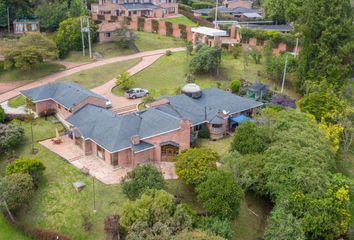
(217, 227)
(68, 36)
(196, 235)
(33, 167)
(30, 50)
(16, 101)
(142, 177)
(11, 136)
(206, 60)
(275, 66)
(124, 81)
(150, 41)
(181, 20)
(10, 232)
(235, 86)
(192, 164)
(2, 115)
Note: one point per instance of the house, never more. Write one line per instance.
(25, 25)
(136, 8)
(63, 98)
(208, 36)
(106, 31)
(127, 140)
(212, 108)
(237, 3)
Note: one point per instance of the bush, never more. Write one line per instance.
(124, 80)
(33, 167)
(200, 5)
(204, 132)
(168, 53)
(141, 178)
(155, 25)
(11, 136)
(141, 24)
(17, 189)
(207, 60)
(2, 114)
(217, 227)
(250, 138)
(193, 163)
(220, 194)
(235, 86)
(236, 51)
(169, 29)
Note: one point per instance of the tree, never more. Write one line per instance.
(29, 50)
(236, 50)
(77, 8)
(11, 136)
(34, 167)
(235, 86)
(250, 138)
(275, 66)
(282, 10)
(124, 80)
(283, 226)
(50, 14)
(189, 47)
(220, 194)
(19, 9)
(346, 120)
(191, 164)
(217, 227)
(68, 36)
(206, 60)
(324, 44)
(15, 190)
(142, 177)
(2, 115)
(124, 36)
(256, 55)
(196, 235)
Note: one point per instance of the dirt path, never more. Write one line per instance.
(53, 77)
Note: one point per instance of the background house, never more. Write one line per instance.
(25, 25)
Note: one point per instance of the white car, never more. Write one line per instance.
(108, 103)
(136, 93)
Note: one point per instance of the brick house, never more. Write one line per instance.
(63, 98)
(238, 4)
(135, 8)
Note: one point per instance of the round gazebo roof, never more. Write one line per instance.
(192, 90)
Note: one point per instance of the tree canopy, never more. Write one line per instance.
(206, 60)
(11, 135)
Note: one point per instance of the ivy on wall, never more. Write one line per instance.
(183, 31)
(127, 20)
(141, 23)
(169, 29)
(155, 26)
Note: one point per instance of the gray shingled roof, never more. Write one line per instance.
(279, 28)
(140, 6)
(67, 94)
(208, 106)
(113, 132)
(142, 146)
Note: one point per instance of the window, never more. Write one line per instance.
(114, 1)
(107, 35)
(100, 152)
(134, 12)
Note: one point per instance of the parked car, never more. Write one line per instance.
(136, 93)
(108, 103)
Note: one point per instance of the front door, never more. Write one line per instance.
(168, 152)
(114, 159)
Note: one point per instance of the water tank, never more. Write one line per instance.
(192, 90)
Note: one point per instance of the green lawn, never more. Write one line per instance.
(9, 232)
(167, 74)
(38, 71)
(181, 20)
(151, 41)
(16, 101)
(106, 50)
(99, 75)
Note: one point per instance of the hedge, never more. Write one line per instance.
(155, 25)
(184, 7)
(169, 29)
(200, 5)
(141, 23)
(183, 30)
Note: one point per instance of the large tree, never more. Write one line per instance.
(51, 14)
(327, 31)
(11, 135)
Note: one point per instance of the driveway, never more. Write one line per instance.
(102, 171)
(53, 77)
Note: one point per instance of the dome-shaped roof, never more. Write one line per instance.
(192, 90)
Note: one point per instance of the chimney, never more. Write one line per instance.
(135, 139)
(185, 124)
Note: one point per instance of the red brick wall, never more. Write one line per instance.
(49, 105)
(90, 100)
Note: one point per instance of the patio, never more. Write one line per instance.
(97, 168)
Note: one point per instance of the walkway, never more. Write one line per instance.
(53, 77)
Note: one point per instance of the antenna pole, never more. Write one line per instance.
(82, 37)
(216, 14)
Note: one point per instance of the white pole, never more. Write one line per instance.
(82, 38)
(89, 36)
(296, 46)
(284, 74)
(216, 14)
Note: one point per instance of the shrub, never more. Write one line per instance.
(33, 167)
(217, 227)
(169, 29)
(141, 24)
(200, 5)
(204, 132)
(236, 50)
(124, 80)
(191, 164)
(189, 47)
(250, 138)
(148, 99)
(235, 86)
(220, 195)
(2, 114)
(183, 32)
(11, 136)
(141, 178)
(207, 60)
(155, 25)
(168, 53)
(17, 189)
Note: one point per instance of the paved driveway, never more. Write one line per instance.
(102, 171)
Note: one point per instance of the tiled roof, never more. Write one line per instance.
(107, 27)
(142, 146)
(114, 132)
(67, 94)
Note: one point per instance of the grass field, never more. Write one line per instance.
(38, 71)
(99, 75)
(57, 206)
(16, 101)
(151, 41)
(167, 74)
(9, 232)
(181, 20)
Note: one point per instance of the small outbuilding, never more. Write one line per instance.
(257, 90)
(25, 25)
(206, 35)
